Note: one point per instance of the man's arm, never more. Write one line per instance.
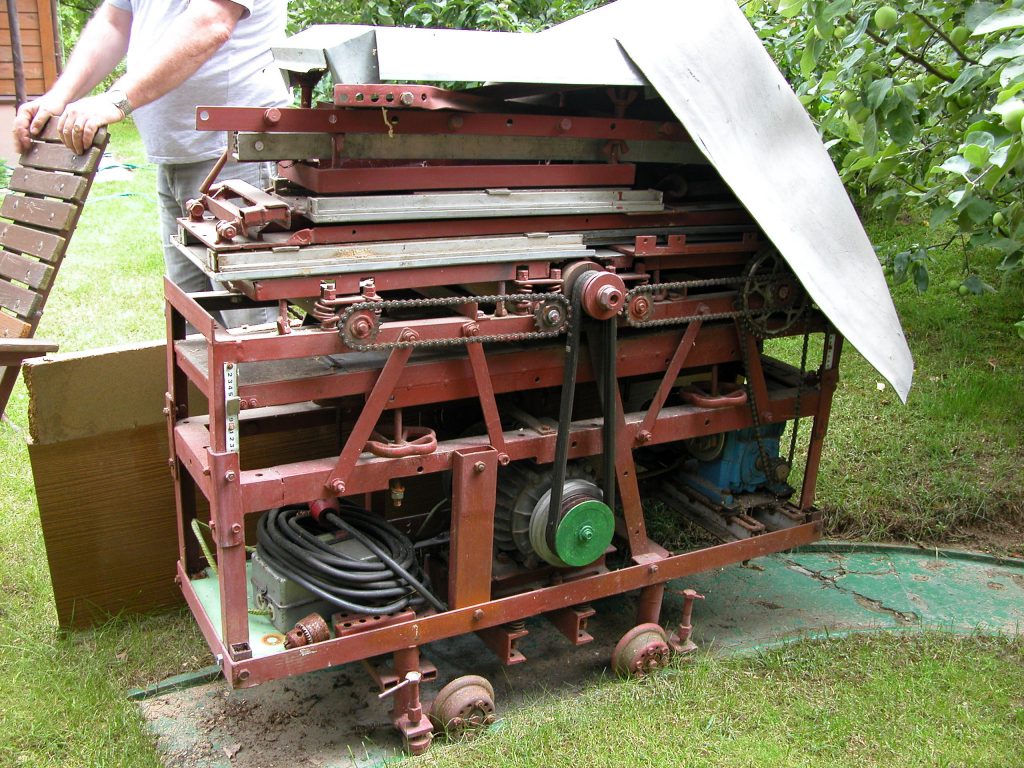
(201, 29)
(100, 47)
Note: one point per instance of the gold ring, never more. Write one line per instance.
(77, 129)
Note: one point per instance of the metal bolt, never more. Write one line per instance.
(243, 674)
(226, 230)
(166, 411)
(478, 614)
(644, 436)
(640, 307)
(504, 459)
(258, 146)
(230, 475)
(652, 568)
(479, 467)
(272, 116)
(470, 330)
(195, 209)
(565, 124)
(361, 328)
(236, 528)
(406, 98)
(609, 297)
(338, 487)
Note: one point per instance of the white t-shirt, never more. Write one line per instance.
(240, 73)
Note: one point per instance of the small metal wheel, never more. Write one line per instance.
(640, 651)
(465, 704)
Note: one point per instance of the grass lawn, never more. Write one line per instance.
(947, 467)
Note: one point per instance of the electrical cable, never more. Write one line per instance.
(390, 581)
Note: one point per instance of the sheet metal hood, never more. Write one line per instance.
(706, 62)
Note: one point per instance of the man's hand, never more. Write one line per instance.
(81, 119)
(32, 117)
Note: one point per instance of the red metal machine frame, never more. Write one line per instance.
(241, 377)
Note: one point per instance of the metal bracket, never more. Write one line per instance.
(232, 406)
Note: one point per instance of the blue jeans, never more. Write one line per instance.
(175, 186)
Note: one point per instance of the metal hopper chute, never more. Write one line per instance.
(706, 62)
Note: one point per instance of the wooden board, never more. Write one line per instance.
(14, 266)
(49, 214)
(66, 186)
(99, 459)
(33, 242)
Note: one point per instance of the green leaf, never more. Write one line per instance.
(881, 170)
(852, 59)
(871, 135)
(1020, 328)
(812, 49)
(790, 8)
(997, 22)
(978, 12)
(957, 164)
(858, 32)
(1010, 73)
(920, 270)
(977, 286)
(984, 138)
(978, 210)
(940, 215)
(900, 264)
(1005, 245)
(877, 92)
(836, 8)
(967, 78)
(976, 154)
(1009, 49)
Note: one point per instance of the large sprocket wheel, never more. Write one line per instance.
(641, 651)
(466, 704)
(773, 298)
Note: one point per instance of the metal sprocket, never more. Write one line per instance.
(773, 299)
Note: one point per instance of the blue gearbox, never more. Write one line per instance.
(729, 464)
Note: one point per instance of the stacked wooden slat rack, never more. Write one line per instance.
(48, 191)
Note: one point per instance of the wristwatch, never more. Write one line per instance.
(120, 100)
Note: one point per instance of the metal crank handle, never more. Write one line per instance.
(410, 678)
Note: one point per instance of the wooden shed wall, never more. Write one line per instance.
(38, 45)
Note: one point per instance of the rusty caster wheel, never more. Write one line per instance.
(640, 651)
(465, 704)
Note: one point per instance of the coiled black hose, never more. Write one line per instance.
(391, 582)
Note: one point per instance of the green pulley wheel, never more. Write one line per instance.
(584, 531)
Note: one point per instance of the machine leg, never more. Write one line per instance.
(407, 709)
(648, 610)
(679, 641)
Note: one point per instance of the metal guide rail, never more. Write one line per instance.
(496, 339)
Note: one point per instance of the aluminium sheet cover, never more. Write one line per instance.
(708, 65)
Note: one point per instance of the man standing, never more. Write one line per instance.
(181, 53)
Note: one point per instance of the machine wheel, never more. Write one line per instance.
(465, 704)
(640, 651)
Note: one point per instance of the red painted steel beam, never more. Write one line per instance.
(299, 482)
(426, 629)
(512, 369)
(424, 230)
(318, 120)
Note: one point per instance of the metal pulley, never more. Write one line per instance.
(583, 530)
